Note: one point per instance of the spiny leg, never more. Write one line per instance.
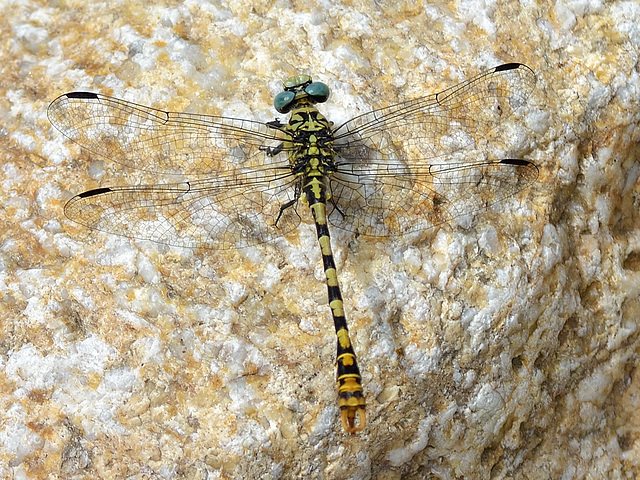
(350, 396)
(289, 204)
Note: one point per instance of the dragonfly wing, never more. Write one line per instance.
(156, 141)
(461, 117)
(218, 213)
(388, 200)
(426, 158)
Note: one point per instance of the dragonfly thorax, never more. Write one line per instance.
(311, 137)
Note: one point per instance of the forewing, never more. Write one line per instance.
(156, 141)
(427, 158)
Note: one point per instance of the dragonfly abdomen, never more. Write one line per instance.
(350, 394)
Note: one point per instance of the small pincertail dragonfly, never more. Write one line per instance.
(399, 169)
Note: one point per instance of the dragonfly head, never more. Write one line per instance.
(297, 88)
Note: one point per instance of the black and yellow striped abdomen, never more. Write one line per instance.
(351, 398)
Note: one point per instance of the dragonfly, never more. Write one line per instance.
(238, 183)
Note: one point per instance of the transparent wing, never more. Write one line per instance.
(398, 202)
(221, 213)
(156, 141)
(237, 205)
(427, 158)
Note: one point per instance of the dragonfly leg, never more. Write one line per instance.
(336, 207)
(272, 151)
(289, 204)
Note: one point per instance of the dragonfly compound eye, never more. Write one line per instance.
(318, 91)
(283, 101)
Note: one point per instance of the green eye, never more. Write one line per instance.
(318, 91)
(282, 102)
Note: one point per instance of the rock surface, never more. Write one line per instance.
(502, 349)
